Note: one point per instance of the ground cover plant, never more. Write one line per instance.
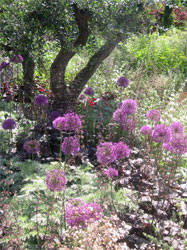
(109, 171)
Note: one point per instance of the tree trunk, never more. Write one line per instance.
(28, 78)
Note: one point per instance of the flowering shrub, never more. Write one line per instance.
(56, 180)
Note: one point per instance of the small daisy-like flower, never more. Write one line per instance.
(106, 153)
(122, 82)
(70, 146)
(161, 133)
(146, 130)
(32, 146)
(89, 91)
(9, 124)
(153, 115)
(129, 106)
(56, 180)
(111, 172)
(41, 100)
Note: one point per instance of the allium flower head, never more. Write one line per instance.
(153, 115)
(56, 180)
(9, 124)
(16, 59)
(72, 122)
(123, 82)
(177, 145)
(79, 213)
(119, 116)
(129, 125)
(3, 65)
(161, 133)
(32, 146)
(146, 130)
(129, 106)
(177, 128)
(89, 91)
(54, 115)
(59, 123)
(106, 153)
(121, 150)
(41, 100)
(111, 172)
(70, 146)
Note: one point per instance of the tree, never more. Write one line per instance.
(71, 25)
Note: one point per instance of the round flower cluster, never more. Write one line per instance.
(54, 115)
(146, 130)
(121, 150)
(122, 82)
(161, 133)
(111, 172)
(129, 106)
(32, 146)
(41, 100)
(106, 153)
(119, 116)
(56, 180)
(9, 124)
(79, 213)
(89, 91)
(177, 128)
(70, 146)
(153, 115)
(58, 123)
(177, 145)
(129, 125)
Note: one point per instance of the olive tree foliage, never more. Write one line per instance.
(26, 25)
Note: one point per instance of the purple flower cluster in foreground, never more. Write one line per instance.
(177, 128)
(122, 82)
(108, 152)
(111, 172)
(56, 180)
(89, 91)
(79, 213)
(9, 124)
(177, 145)
(153, 115)
(129, 106)
(161, 133)
(146, 130)
(70, 146)
(41, 100)
(32, 146)
(69, 122)
(119, 116)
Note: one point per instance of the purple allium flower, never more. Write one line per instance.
(79, 213)
(70, 146)
(106, 153)
(161, 133)
(121, 150)
(16, 59)
(82, 97)
(9, 124)
(129, 125)
(111, 172)
(129, 106)
(58, 123)
(54, 115)
(32, 146)
(41, 100)
(177, 145)
(146, 130)
(119, 116)
(56, 180)
(89, 91)
(123, 82)
(72, 122)
(153, 115)
(3, 65)
(177, 128)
